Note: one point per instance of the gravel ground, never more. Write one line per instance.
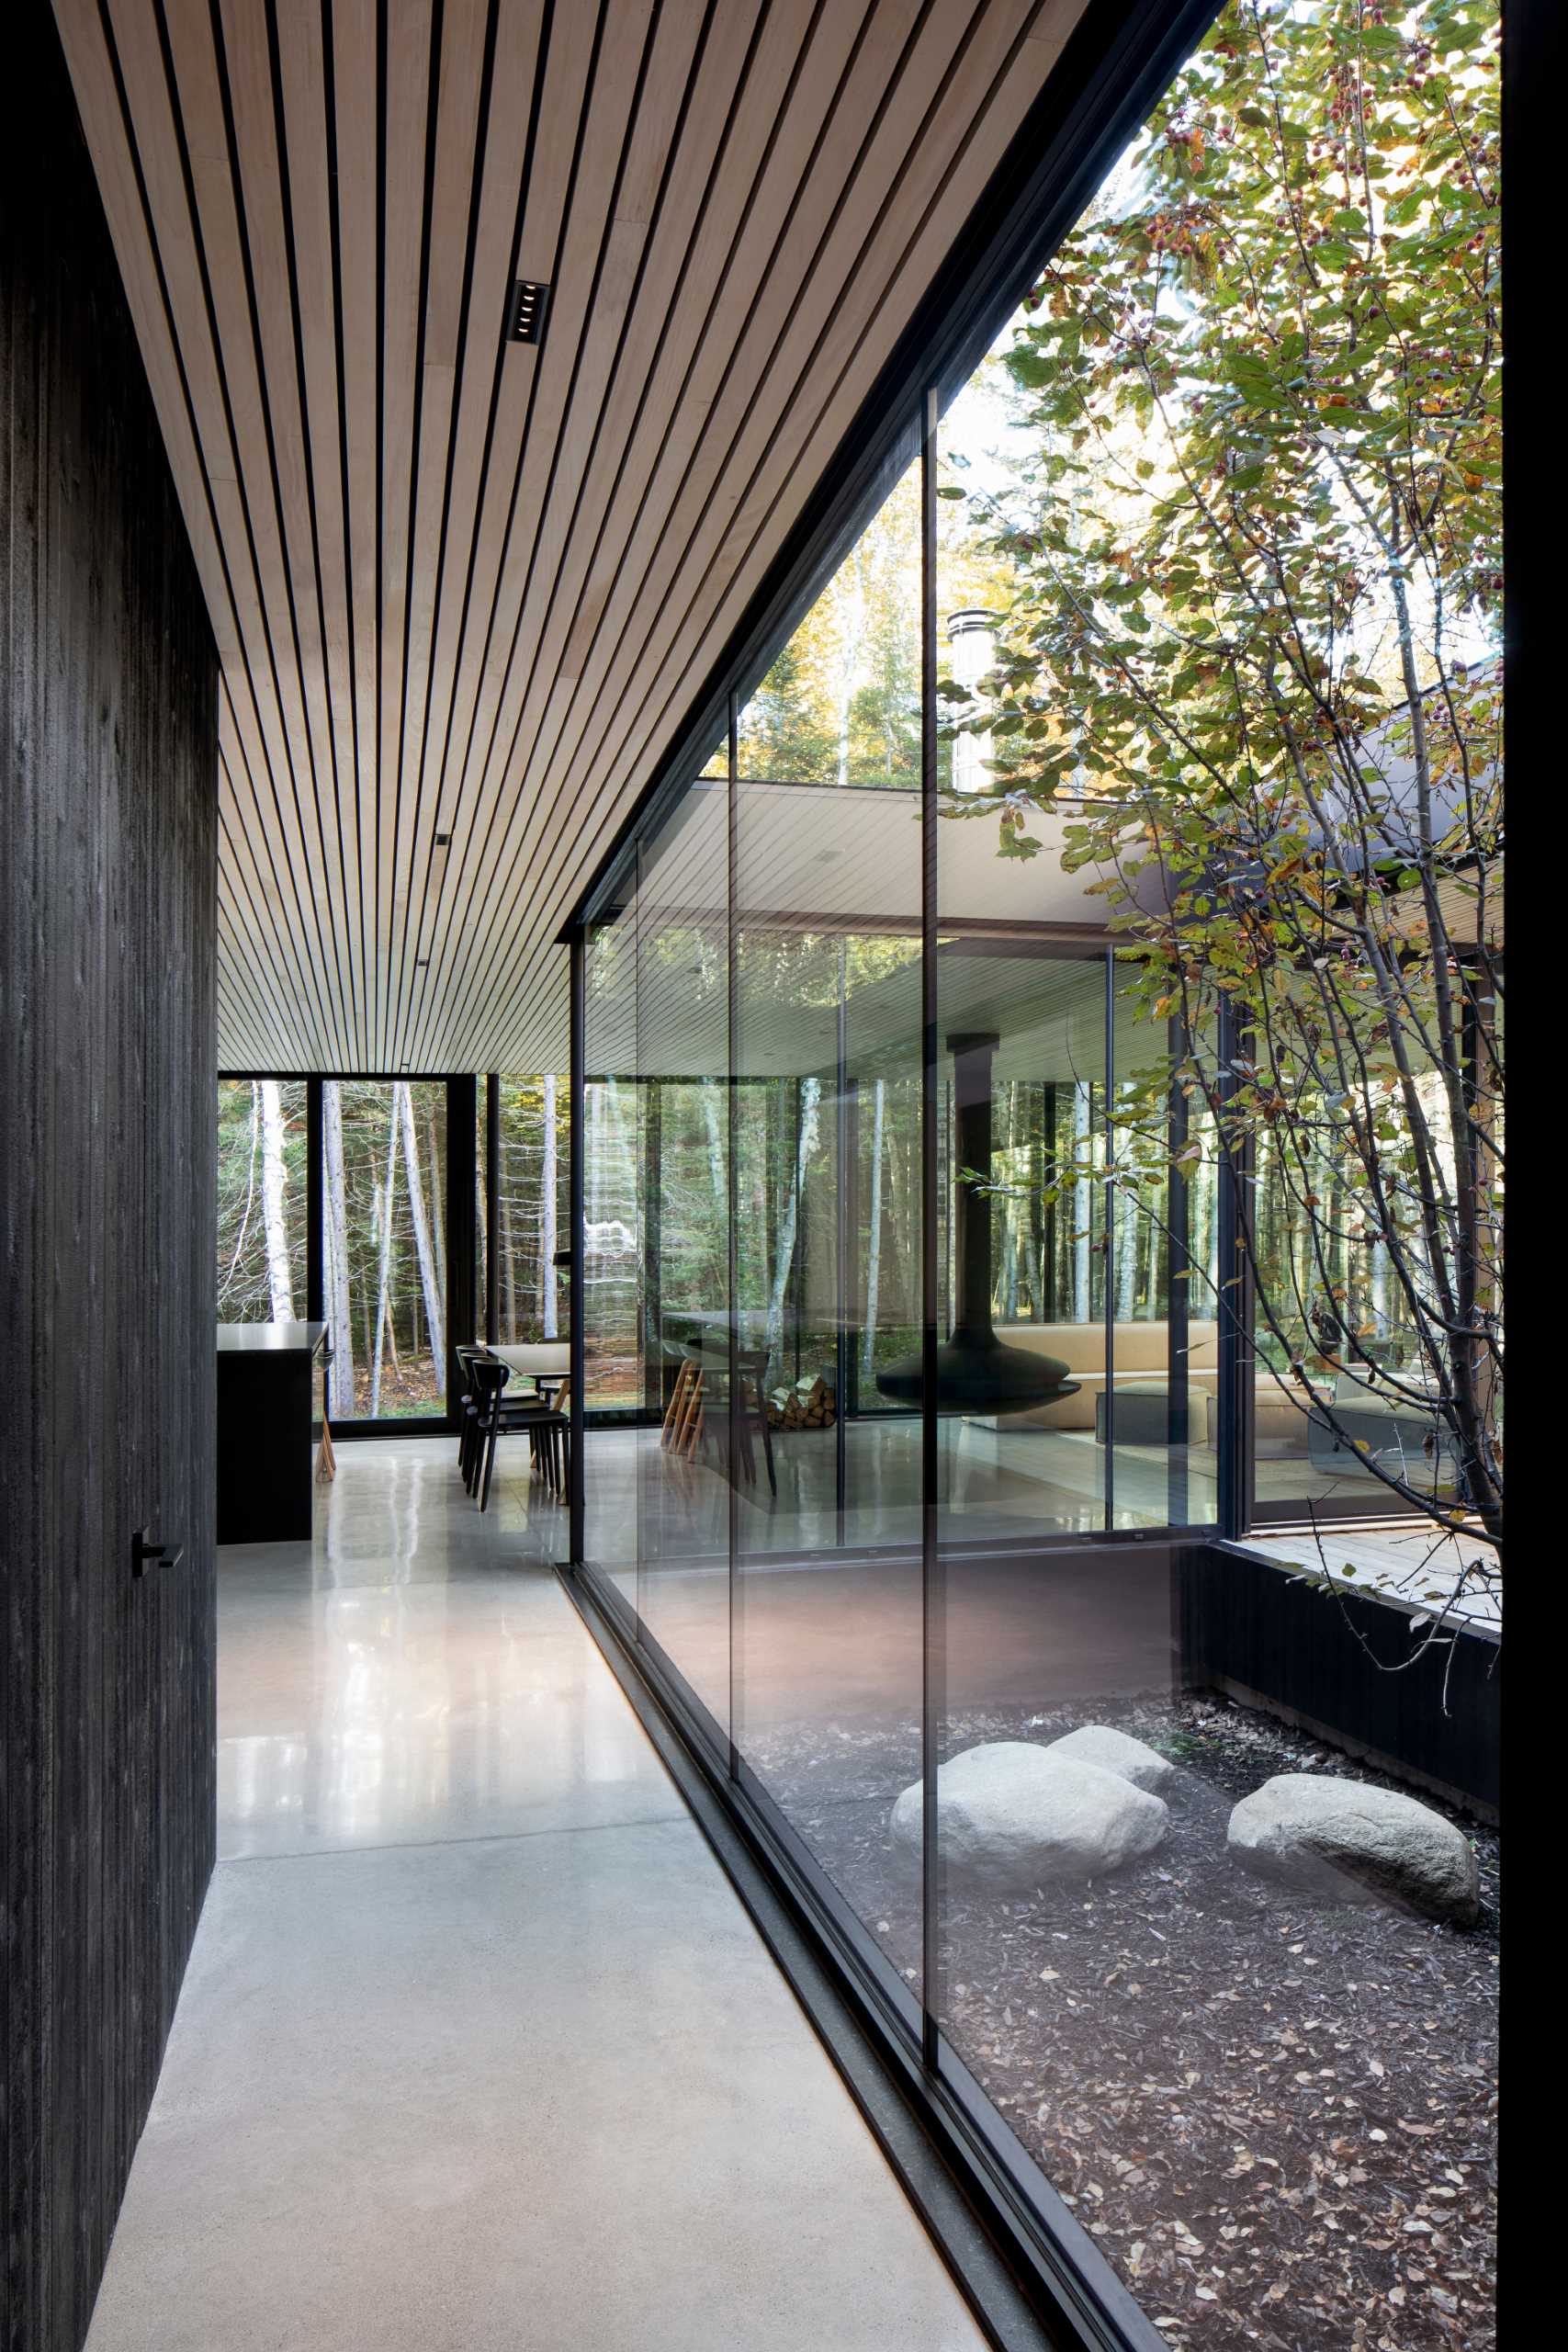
(1276, 2114)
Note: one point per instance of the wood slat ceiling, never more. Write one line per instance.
(466, 587)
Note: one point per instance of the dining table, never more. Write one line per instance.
(546, 1363)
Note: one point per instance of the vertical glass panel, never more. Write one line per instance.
(532, 1187)
(1343, 1380)
(1220, 681)
(261, 1200)
(690, 1452)
(1024, 1363)
(613, 1262)
(384, 1239)
(827, 1065)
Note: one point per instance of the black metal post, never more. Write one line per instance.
(732, 1098)
(1233, 1303)
(1178, 1292)
(315, 1268)
(933, 1607)
(653, 1093)
(1048, 1290)
(1108, 1254)
(462, 1220)
(841, 1238)
(492, 1210)
(575, 1246)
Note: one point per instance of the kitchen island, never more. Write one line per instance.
(269, 1417)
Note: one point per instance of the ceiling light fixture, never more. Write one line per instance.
(530, 303)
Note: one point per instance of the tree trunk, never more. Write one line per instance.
(336, 1226)
(279, 1276)
(226, 1279)
(547, 1182)
(388, 1203)
(428, 1276)
(1083, 1120)
(437, 1204)
(810, 1097)
(874, 1239)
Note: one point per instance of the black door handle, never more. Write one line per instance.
(145, 1556)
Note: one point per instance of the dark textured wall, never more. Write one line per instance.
(108, 740)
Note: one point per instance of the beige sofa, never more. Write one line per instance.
(1142, 1357)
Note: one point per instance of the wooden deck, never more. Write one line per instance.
(1455, 1576)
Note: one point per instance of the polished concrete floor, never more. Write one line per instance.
(476, 2047)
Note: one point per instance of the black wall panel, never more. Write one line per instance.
(107, 913)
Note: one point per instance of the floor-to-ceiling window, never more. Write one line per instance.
(384, 1217)
(977, 1214)
(262, 1182)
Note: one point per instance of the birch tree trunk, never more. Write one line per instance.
(423, 1250)
(279, 1276)
(336, 1225)
(250, 1193)
(874, 1239)
(810, 1099)
(438, 1205)
(1083, 1297)
(388, 1200)
(1009, 1205)
(547, 1182)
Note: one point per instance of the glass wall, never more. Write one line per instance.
(827, 1059)
(261, 1200)
(961, 1072)
(614, 1269)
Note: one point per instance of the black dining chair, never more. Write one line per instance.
(498, 1416)
(468, 1413)
(551, 1439)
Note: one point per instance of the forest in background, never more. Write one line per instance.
(384, 1225)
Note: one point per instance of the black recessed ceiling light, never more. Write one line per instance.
(530, 302)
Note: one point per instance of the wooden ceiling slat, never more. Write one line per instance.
(566, 69)
(726, 578)
(576, 270)
(465, 586)
(816, 247)
(303, 84)
(458, 83)
(256, 793)
(244, 492)
(355, 52)
(602, 359)
(487, 363)
(247, 66)
(408, 69)
(770, 72)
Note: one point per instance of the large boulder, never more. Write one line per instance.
(1356, 1843)
(1114, 1751)
(1012, 1816)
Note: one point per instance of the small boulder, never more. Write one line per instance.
(1356, 1842)
(1012, 1816)
(1113, 1751)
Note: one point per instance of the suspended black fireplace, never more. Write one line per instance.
(975, 1371)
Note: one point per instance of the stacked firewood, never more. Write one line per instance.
(804, 1404)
